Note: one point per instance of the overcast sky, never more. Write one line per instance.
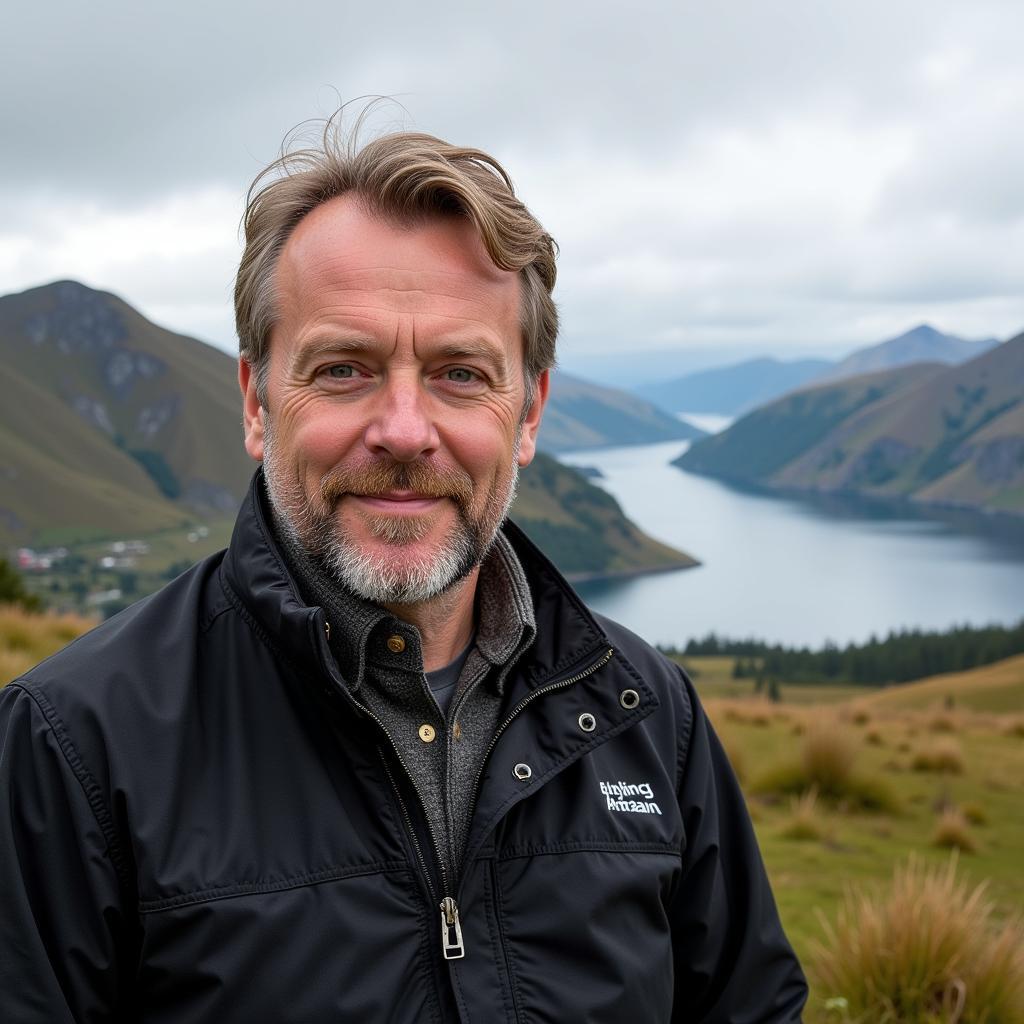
(722, 178)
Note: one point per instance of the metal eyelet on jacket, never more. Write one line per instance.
(522, 771)
(588, 723)
(629, 699)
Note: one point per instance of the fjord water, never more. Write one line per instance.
(793, 571)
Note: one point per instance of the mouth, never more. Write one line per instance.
(407, 503)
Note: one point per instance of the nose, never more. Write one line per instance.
(401, 424)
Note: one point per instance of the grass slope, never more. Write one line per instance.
(951, 436)
(998, 687)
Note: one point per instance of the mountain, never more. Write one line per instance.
(582, 528)
(922, 344)
(731, 390)
(111, 421)
(935, 434)
(113, 427)
(584, 415)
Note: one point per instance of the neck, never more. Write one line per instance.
(445, 623)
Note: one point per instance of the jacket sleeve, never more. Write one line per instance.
(733, 962)
(60, 916)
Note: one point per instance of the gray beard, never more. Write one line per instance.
(310, 530)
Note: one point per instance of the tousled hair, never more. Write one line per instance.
(407, 177)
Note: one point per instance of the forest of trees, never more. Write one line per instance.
(898, 658)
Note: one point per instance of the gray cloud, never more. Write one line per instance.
(790, 174)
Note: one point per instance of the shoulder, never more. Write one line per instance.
(101, 680)
(664, 675)
(678, 705)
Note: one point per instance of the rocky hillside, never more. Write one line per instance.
(941, 435)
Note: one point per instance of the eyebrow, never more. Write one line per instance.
(337, 344)
(469, 349)
(340, 345)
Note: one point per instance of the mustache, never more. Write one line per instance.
(379, 478)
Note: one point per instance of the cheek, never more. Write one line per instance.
(318, 444)
(485, 454)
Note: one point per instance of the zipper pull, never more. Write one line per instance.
(451, 930)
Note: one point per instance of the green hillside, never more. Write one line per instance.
(951, 436)
(582, 527)
(114, 427)
(580, 414)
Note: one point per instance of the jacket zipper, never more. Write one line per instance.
(451, 929)
(452, 945)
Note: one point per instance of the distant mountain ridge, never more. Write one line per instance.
(948, 436)
(113, 426)
(921, 344)
(732, 390)
(739, 388)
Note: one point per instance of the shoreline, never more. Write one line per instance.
(625, 574)
(982, 519)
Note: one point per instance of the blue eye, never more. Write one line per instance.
(461, 375)
(342, 371)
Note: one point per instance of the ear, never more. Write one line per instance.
(252, 411)
(531, 422)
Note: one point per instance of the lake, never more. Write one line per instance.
(797, 572)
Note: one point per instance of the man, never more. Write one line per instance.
(376, 761)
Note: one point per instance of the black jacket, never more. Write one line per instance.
(198, 824)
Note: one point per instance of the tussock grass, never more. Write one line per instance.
(806, 821)
(828, 754)
(860, 716)
(26, 638)
(874, 737)
(975, 814)
(943, 722)
(953, 832)
(925, 951)
(943, 755)
(826, 765)
(1016, 728)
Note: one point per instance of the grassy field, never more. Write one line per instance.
(844, 784)
(948, 751)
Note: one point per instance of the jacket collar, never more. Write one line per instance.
(257, 572)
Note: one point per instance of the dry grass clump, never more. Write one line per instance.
(926, 951)
(874, 737)
(806, 820)
(944, 755)
(826, 765)
(828, 754)
(860, 717)
(943, 722)
(952, 831)
(975, 814)
(1016, 728)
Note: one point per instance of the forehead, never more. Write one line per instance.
(341, 259)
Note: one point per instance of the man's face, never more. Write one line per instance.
(394, 423)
